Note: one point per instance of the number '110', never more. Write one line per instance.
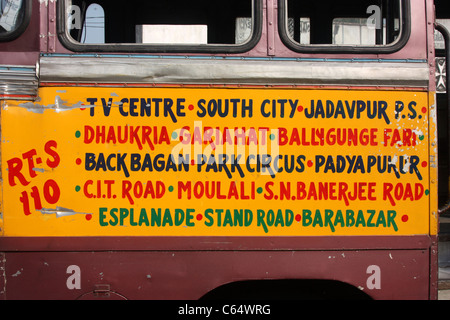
(52, 194)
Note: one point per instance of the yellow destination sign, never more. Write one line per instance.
(216, 162)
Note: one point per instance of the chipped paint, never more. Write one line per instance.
(407, 164)
(394, 160)
(18, 273)
(61, 212)
(58, 106)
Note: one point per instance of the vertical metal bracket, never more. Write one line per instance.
(51, 26)
(43, 25)
(270, 8)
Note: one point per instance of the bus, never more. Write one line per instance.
(210, 149)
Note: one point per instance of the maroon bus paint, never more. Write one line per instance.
(177, 268)
(192, 274)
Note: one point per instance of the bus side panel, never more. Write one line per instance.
(190, 275)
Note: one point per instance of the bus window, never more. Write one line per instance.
(152, 24)
(12, 18)
(368, 24)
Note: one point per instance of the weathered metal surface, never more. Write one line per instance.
(230, 71)
(18, 82)
(389, 274)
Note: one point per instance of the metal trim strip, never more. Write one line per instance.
(75, 69)
(214, 57)
(18, 82)
(9, 244)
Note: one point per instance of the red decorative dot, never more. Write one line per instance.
(424, 164)
(424, 110)
(300, 108)
(199, 217)
(405, 218)
(191, 107)
(78, 161)
(192, 162)
(310, 163)
(298, 218)
(88, 217)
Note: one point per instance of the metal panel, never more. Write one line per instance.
(190, 275)
(184, 70)
(18, 82)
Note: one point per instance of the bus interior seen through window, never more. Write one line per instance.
(195, 22)
(344, 22)
(11, 15)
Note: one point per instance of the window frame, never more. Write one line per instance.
(12, 35)
(75, 46)
(405, 34)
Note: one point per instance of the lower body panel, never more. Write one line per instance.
(391, 273)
